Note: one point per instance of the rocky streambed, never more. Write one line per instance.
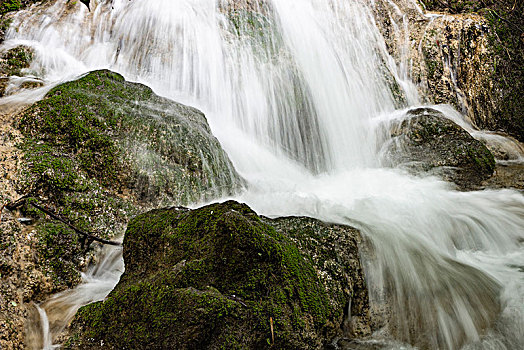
(104, 154)
(220, 274)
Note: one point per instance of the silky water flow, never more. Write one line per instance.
(299, 93)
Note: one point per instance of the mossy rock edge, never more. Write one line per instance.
(218, 277)
(427, 142)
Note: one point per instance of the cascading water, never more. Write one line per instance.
(296, 92)
(52, 316)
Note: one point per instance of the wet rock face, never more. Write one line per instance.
(455, 6)
(429, 142)
(468, 54)
(13, 62)
(221, 276)
(244, 5)
(458, 67)
(507, 175)
(96, 151)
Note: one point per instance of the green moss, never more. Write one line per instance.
(208, 277)
(59, 251)
(55, 172)
(9, 5)
(163, 303)
(74, 131)
(14, 60)
(4, 24)
(483, 159)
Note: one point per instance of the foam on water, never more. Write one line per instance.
(297, 91)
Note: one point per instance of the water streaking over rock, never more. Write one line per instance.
(50, 318)
(295, 92)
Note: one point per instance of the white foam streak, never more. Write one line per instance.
(58, 311)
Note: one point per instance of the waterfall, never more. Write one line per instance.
(296, 90)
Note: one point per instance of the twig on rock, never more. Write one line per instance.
(86, 237)
(272, 333)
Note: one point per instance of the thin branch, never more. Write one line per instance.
(86, 236)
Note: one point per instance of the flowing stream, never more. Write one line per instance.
(297, 92)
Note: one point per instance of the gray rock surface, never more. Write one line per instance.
(427, 142)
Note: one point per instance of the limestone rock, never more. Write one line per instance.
(467, 54)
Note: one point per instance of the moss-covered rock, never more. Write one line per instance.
(122, 135)
(12, 62)
(221, 277)
(7, 8)
(100, 150)
(9, 5)
(58, 248)
(429, 142)
(333, 250)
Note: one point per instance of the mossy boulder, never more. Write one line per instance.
(12, 62)
(99, 150)
(426, 141)
(221, 277)
(125, 137)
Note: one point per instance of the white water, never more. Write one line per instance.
(58, 311)
(296, 94)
